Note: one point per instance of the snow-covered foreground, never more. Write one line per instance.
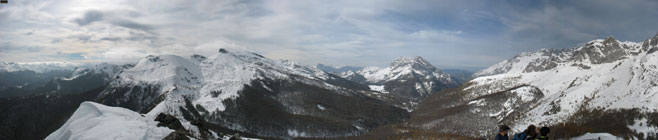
(597, 136)
(99, 122)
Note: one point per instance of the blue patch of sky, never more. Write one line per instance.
(75, 56)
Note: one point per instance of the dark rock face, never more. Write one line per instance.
(235, 137)
(222, 50)
(137, 98)
(650, 45)
(176, 135)
(543, 64)
(654, 40)
(169, 121)
(153, 58)
(610, 51)
(198, 57)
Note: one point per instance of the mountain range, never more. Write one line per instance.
(605, 85)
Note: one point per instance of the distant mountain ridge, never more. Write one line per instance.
(39, 67)
(337, 70)
(405, 81)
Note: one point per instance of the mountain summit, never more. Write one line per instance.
(406, 79)
(594, 52)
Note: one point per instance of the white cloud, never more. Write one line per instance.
(123, 54)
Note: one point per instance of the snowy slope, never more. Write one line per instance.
(95, 121)
(597, 136)
(110, 71)
(202, 78)
(602, 74)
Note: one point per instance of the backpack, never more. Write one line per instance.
(520, 136)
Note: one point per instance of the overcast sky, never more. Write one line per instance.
(450, 33)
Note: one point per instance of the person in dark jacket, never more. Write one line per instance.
(544, 133)
(529, 133)
(502, 135)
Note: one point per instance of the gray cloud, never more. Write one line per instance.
(9, 47)
(55, 41)
(82, 38)
(561, 24)
(132, 25)
(89, 17)
(111, 39)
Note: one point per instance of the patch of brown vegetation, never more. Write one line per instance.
(399, 132)
(615, 122)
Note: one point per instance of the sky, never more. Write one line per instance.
(447, 33)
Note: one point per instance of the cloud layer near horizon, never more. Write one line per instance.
(466, 33)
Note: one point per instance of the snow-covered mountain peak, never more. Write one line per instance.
(610, 39)
(162, 68)
(401, 67)
(110, 70)
(651, 44)
(241, 54)
(413, 62)
(198, 58)
(595, 52)
(261, 65)
(406, 78)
